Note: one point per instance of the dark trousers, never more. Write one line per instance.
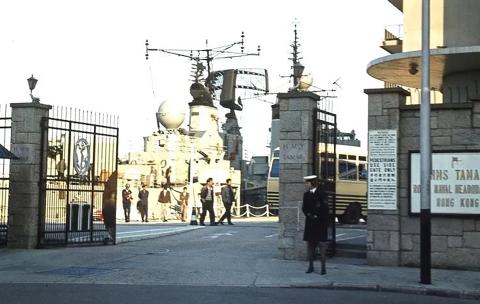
(228, 214)
(126, 211)
(144, 212)
(207, 206)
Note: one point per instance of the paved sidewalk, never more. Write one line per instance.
(343, 273)
(150, 263)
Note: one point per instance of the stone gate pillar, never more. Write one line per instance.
(383, 226)
(23, 207)
(296, 161)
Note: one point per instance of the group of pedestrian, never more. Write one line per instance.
(314, 207)
(207, 196)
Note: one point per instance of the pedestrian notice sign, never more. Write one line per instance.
(382, 169)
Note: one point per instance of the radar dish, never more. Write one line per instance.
(305, 82)
(249, 81)
(170, 115)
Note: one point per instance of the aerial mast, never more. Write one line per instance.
(206, 55)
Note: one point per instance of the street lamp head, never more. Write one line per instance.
(297, 74)
(32, 82)
(298, 70)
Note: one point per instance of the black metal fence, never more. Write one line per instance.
(325, 147)
(5, 133)
(79, 181)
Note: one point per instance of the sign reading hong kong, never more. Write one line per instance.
(455, 183)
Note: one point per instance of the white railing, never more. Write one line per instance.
(247, 211)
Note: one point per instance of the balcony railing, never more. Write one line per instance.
(393, 42)
(394, 32)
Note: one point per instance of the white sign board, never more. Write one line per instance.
(382, 169)
(455, 183)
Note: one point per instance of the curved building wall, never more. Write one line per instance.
(461, 23)
(453, 23)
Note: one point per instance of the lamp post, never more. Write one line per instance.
(297, 73)
(425, 151)
(32, 82)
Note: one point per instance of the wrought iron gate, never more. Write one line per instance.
(325, 147)
(79, 178)
(5, 135)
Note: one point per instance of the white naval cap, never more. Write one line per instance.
(309, 178)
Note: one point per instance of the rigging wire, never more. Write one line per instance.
(151, 79)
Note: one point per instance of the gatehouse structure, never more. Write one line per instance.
(393, 123)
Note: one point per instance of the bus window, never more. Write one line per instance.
(327, 170)
(363, 174)
(275, 170)
(347, 170)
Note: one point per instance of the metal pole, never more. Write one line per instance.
(425, 151)
(190, 181)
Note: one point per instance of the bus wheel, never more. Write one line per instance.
(352, 214)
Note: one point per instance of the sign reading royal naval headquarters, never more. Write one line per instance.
(293, 153)
(382, 169)
(455, 183)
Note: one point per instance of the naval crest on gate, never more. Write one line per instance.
(81, 157)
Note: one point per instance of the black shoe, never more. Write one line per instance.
(213, 224)
(202, 224)
(146, 221)
(230, 223)
(309, 270)
(221, 223)
(323, 272)
(165, 221)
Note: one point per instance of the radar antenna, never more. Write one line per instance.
(297, 66)
(206, 55)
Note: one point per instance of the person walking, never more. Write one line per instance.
(206, 197)
(228, 197)
(61, 167)
(108, 214)
(315, 208)
(184, 204)
(109, 207)
(168, 175)
(164, 199)
(127, 202)
(143, 201)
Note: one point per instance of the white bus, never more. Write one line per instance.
(272, 182)
(350, 181)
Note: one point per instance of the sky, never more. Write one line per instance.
(90, 55)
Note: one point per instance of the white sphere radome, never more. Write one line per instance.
(170, 114)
